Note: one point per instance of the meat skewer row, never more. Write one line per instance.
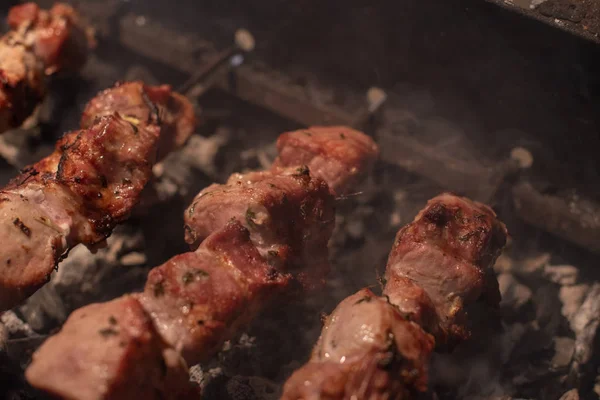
(39, 44)
(87, 185)
(259, 235)
(378, 347)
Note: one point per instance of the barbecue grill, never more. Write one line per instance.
(499, 104)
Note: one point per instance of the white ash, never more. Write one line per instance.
(572, 298)
(177, 174)
(585, 324)
(561, 274)
(16, 148)
(14, 326)
(514, 294)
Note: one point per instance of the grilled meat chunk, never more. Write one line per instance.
(139, 365)
(75, 195)
(40, 43)
(448, 251)
(440, 264)
(367, 350)
(289, 214)
(137, 102)
(341, 156)
(198, 300)
(255, 237)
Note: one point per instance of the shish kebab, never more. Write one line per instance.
(40, 43)
(89, 183)
(378, 348)
(259, 235)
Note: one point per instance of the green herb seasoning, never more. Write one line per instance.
(159, 289)
(364, 299)
(106, 332)
(250, 216)
(303, 170)
(193, 275)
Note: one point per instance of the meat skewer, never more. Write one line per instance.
(259, 235)
(40, 43)
(375, 347)
(87, 185)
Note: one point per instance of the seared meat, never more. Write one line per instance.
(139, 366)
(448, 252)
(75, 195)
(367, 350)
(198, 300)
(378, 347)
(39, 44)
(259, 235)
(339, 155)
(289, 215)
(133, 100)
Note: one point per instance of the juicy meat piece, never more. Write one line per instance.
(339, 155)
(448, 251)
(107, 166)
(59, 37)
(289, 214)
(198, 300)
(367, 350)
(35, 222)
(76, 365)
(255, 237)
(136, 101)
(378, 347)
(21, 84)
(40, 43)
(75, 195)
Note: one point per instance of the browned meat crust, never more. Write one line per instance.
(78, 193)
(340, 155)
(378, 347)
(176, 113)
(257, 236)
(139, 366)
(290, 216)
(40, 43)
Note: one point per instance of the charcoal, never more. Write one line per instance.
(564, 348)
(85, 277)
(44, 310)
(514, 294)
(178, 174)
(572, 394)
(585, 325)
(504, 264)
(572, 298)
(547, 304)
(533, 265)
(561, 274)
(17, 149)
(169, 47)
(15, 326)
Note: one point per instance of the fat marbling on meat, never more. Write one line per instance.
(80, 192)
(378, 348)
